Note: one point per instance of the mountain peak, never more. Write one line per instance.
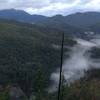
(20, 15)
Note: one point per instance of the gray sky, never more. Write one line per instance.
(51, 7)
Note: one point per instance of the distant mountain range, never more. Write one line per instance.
(20, 15)
(78, 19)
(75, 24)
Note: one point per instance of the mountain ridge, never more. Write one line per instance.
(80, 18)
(20, 15)
(77, 22)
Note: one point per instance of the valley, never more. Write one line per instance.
(30, 51)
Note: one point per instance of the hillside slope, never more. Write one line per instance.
(28, 55)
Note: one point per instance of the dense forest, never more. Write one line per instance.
(30, 53)
(27, 56)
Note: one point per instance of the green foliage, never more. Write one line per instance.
(27, 57)
(4, 95)
(95, 52)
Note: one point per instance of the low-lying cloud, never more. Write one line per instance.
(79, 62)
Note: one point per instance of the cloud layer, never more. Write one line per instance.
(78, 63)
(51, 7)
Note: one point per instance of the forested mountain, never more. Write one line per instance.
(21, 16)
(27, 53)
(80, 20)
(83, 20)
(30, 53)
(95, 27)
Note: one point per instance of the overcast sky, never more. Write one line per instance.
(51, 7)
